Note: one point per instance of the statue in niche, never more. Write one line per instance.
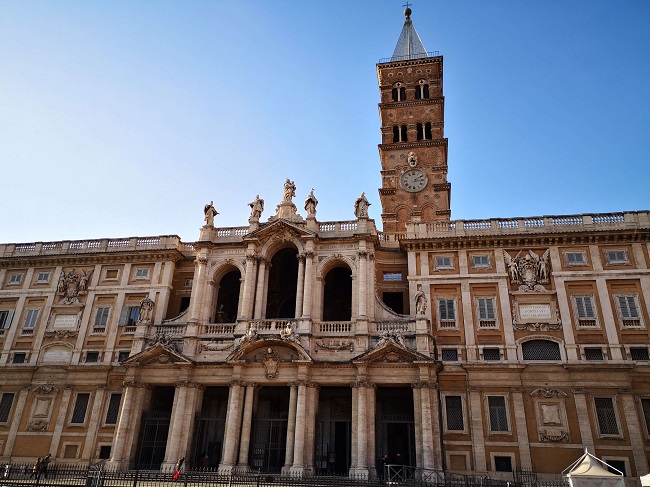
(221, 314)
(146, 309)
(257, 207)
(420, 302)
(289, 191)
(310, 204)
(531, 270)
(361, 206)
(210, 213)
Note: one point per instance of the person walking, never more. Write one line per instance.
(44, 464)
(177, 468)
(36, 468)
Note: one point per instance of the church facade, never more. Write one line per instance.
(299, 346)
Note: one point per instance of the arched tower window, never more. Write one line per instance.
(400, 133)
(283, 281)
(424, 131)
(228, 297)
(422, 91)
(337, 296)
(399, 92)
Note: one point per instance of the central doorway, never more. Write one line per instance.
(210, 428)
(269, 429)
(334, 431)
(155, 429)
(395, 426)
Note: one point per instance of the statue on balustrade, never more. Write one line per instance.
(257, 207)
(310, 204)
(361, 206)
(210, 213)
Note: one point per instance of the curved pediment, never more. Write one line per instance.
(390, 350)
(286, 350)
(158, 354)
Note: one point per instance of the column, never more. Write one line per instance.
(259, 294)
(309, 283)
(300, 288)
(60, 419)
(291, 428)
(94, 422)
(354, 460)
(249, 285)
(468, 321)
(609, 319)
(299, 442)
(198, 286)
(583, 419)
(417, 419)
(478, 439)
(312, 412)
(178, 428)
(427, 430)
(362, 284)
(565, 316)
(246, 428)
(370, 408)
(233, 424)
(19, 409)
(361, 468)
(522, 429)
(634, 429)
(165, 291)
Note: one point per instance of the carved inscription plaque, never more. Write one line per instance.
(65, 321)
(535, 311)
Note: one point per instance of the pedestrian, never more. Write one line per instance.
(177, 468)
(44, 463)
(36, 468)
(383, 461)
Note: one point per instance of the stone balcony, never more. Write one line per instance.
(530, 225)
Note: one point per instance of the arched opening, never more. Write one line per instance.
(228, 297)
(541, 350)
(283, 281)
(337, 297)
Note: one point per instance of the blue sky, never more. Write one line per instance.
(123, 118)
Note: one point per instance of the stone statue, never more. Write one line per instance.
(257, 207)
(60, 287)
(210, 213)
(221, 315)
(146, 308)
(287, 333)
(72, 285)
(531, 271)
(289, 190)
(361, 206)
(83, 281)
(412, 159)
(310, 204)
(420, 302)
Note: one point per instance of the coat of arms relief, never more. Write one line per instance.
(530, 271)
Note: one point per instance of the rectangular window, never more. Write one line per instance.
(80, 408)
(594, 354)
(575, 258)
(142, 273)
(444, 263)
(5, 319)
(15, 279)
(639, 353)
(616, 257)
(502, 464)
(19, 358)
(498, 414)
(491, 354)
(447, 313)
(5, 406)
(481, 261)
(105, 452)
(392, 276)
(113, 408)
(101, 319)
(123, 355)
(31, 318)
(628, 309)
(606, 415)
(454, 413)
(42, 278)
(645, 406)
(189, 282)
(92, 357)
(450, 355)
(486, 312)
(129, 316)
(585, 309)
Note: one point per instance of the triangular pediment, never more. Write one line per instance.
(158, 354)
(390, 351)
(280, 227)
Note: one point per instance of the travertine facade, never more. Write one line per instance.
(314, 347)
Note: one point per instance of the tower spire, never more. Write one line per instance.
(409, 45)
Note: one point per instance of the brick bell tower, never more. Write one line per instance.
(413, 149)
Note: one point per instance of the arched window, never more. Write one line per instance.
(283, 281)
(424, 131)
(404, 135)
(422, 91)
(228, 297)
(399, 92)
(337, 295)
(400, 133)
(541, 350)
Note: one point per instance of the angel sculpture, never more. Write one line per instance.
(513, 269)
(541, 265)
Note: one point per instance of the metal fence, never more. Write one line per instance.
(99, 475)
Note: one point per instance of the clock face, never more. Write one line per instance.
(413, 181)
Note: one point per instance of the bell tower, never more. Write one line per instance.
(413, 149)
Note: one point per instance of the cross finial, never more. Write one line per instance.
(407, 5)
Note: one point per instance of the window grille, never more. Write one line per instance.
(491, 354)
(575, 258)
(92, 357)
(454, 413)
(392, 276)
(645, 406)
(498, 415)
(594, 353)
(113, 408)
(639, 353)
(19, 358)
(450, 355)
(541, 350)
(502, 464)
(606, 415)
(5, 406)
(123, 355)
(80, 407)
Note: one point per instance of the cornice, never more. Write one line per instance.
(412, 145)
(91, 259)
(438, 100)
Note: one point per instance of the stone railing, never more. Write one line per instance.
(530, 225)
(162, 242)
(217, 329)
(272, 325)
(338, 227)
(393, 326)
(335, 328)
(170, 330)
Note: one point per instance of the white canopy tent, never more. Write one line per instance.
(589, 471)
(645, 480)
